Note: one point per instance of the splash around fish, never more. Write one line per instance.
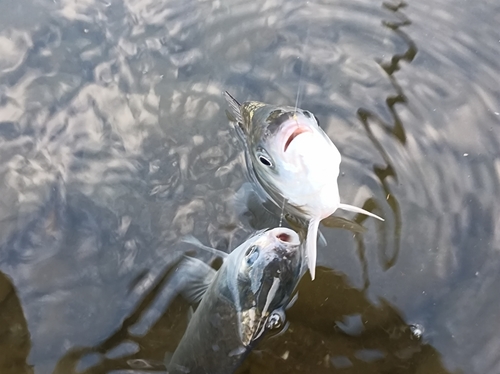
(294, 161)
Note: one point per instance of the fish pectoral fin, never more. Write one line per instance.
(197, 276)
(312, 235)
(190, 313)
(355, 209)
(234, 107)
(192, 240)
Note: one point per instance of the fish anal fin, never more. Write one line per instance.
(355, 209)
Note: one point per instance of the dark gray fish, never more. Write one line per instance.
(294, 161)
(245, 298)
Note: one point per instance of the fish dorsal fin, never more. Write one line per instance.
(197, 277)
(312, 235)
(192, 240)
(234, 105)
(355, 209)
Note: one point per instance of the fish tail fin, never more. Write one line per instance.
(355, 209)
(234, 105)
(312, 234)
(231, 100)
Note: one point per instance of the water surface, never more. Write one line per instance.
(114, 144)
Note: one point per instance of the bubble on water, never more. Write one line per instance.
(417, 330)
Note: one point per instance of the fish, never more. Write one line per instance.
(294, 161)
(240, 303)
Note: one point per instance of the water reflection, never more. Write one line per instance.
(121, 101)
(73, 263)
(388, 253)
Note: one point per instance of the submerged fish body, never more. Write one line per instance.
(294, 161)
(244, 298)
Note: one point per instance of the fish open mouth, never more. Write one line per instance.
(299, 130)
(285, 235)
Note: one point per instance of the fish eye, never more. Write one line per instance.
(252, 254)
(264, 161)
(263, 158)
(307, 114)
(275, 321)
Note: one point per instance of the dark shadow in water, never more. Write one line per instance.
(15, 343)
(344, 333)
(397, 132)
(132, 350)
(356, 336)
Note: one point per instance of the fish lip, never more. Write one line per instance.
(293, 128)
(285, 235)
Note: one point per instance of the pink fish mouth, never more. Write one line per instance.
(296, 129)
(285, 235)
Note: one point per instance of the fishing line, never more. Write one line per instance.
(282, 211)
(299, 88)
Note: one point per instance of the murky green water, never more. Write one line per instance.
(114, 144)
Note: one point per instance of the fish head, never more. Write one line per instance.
(269, 270)
(292, 157)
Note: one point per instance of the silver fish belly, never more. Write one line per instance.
(294, 161)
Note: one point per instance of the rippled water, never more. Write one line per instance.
(114, 144)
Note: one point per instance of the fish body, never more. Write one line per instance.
(243, 299)
(294, 161)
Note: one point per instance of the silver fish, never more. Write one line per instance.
(245, 298)
(294, 161)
